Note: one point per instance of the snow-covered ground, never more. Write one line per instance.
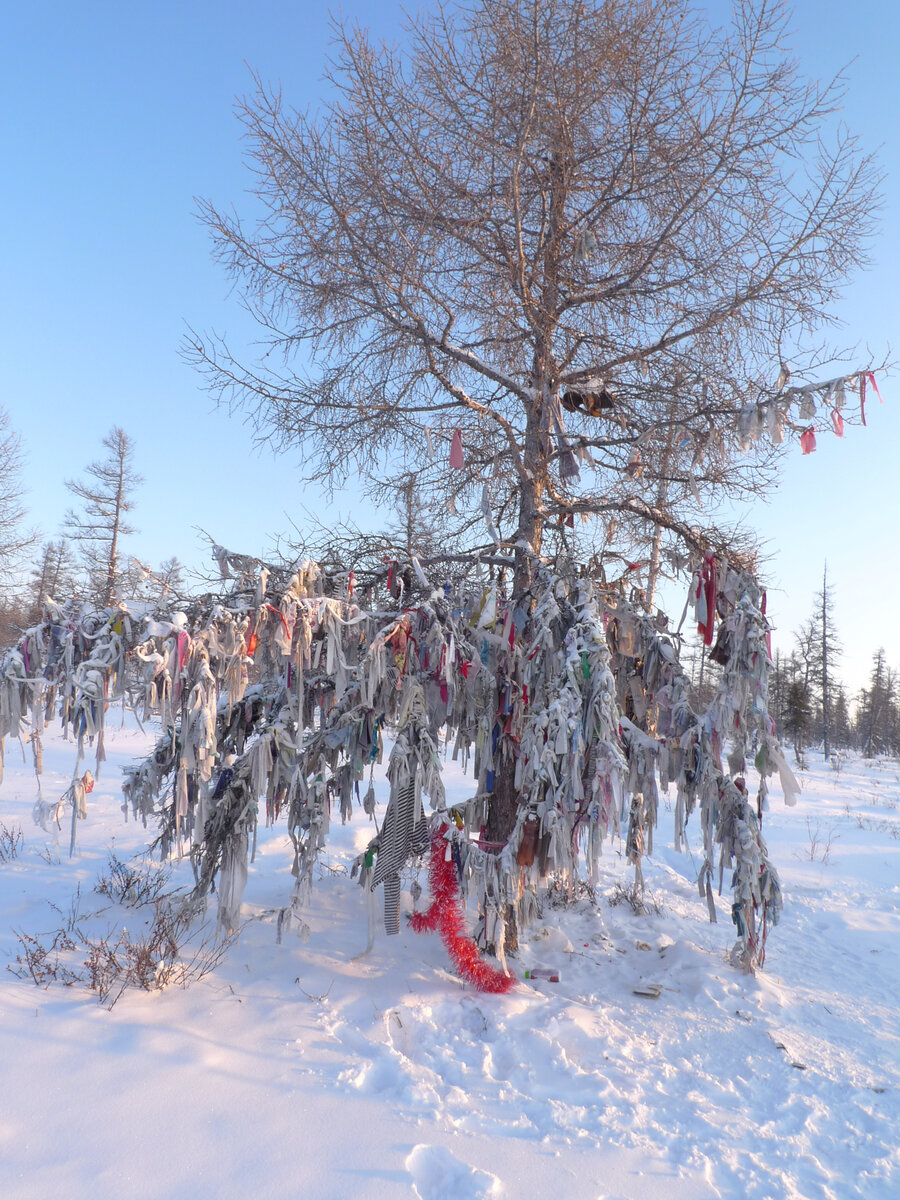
(304, 1070)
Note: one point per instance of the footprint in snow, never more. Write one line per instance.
(400, 1032)
(437, 1175)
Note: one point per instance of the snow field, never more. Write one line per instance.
(305, 1070)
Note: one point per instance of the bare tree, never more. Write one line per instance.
(54, 575)
(819, 650)
(106, 497)
(168, 580)
(585, 236)
(831, 651)
(14, 538)
(160, 587)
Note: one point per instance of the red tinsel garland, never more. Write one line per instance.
(444, 915)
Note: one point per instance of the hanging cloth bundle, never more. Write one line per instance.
(866, 377)
(402, 837)
(707, 593)
(488, 516)
(568, 463)
(457, 458)
(74, 795)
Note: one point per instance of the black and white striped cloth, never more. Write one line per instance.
(402, 837)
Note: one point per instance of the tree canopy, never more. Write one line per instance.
(590, 244)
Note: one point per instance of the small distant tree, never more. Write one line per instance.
(829, 655)
(158, 587)
(701, 670)
(841, 731)
(97, 527)
(798, 717)
(819, 649)
(414, 528)
(54, 574)
(873, 717)
(892, 720)
(779, 680)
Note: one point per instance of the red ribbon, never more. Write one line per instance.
(867, 377)
(278, 613)
(444, 916)
(708, 585)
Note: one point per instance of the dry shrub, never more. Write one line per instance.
(163, 952)
(641, 903)
(10, 842)
(132, 885)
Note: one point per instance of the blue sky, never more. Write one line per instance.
(116, 115)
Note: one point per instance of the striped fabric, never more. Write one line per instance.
(401, 838)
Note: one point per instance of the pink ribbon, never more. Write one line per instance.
(867, 376)
(457, 458)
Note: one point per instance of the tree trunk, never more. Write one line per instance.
(825, 740)
(537, 452)
(504, 800)
(531, 494)
(112, 565)
(656, 541)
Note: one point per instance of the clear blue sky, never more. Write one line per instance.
(115, 115)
